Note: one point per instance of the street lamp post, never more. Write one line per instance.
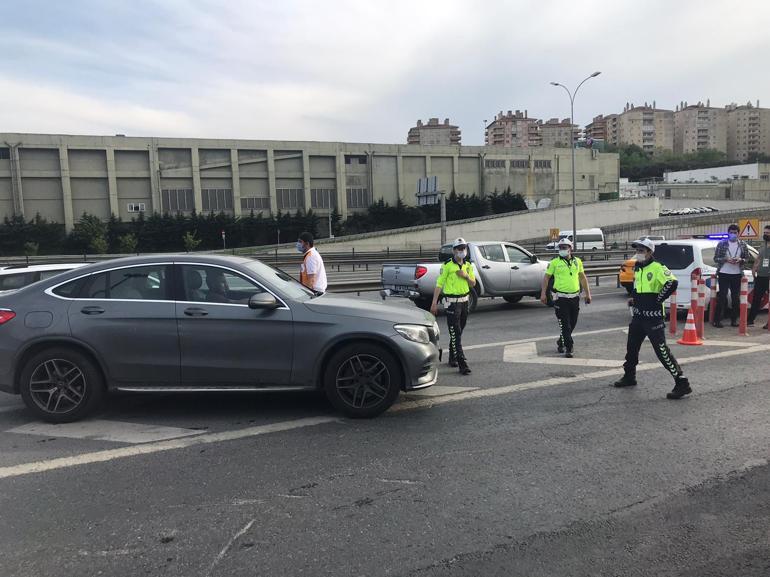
(572, 146)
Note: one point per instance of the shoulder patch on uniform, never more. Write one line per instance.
(649, 276)
(667, 272)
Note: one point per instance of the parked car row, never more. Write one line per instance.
(681, 211)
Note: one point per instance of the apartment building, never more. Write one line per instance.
(646, 126)
(513, 130)
(434, 133)
(748, 131)
(699, 127)
(557, 133)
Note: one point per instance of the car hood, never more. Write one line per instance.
(329, 304)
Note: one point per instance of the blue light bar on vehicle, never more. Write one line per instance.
(721, 236)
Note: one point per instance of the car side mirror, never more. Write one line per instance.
(263, 301)
(532, 258)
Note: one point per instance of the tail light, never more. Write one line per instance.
(697, 273)
(419, 272)
(6, 315)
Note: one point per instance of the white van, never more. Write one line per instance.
(587, 239)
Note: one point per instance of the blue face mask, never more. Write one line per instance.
(300, 247)
(732, 237)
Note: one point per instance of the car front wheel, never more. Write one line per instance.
(362, 381)
(61, 385)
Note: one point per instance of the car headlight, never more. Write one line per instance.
(436, 331)
(416, 333)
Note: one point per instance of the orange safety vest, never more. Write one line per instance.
(303, 278)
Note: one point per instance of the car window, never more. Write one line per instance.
(708, 255)
(44, 274)
(516, 254)
(674, 256)
(15, 281)
(132, 283)
(492, 252)
(213, 284)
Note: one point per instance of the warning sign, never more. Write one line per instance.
(748, 228)
(554, 234)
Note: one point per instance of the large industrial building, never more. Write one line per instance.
(61, 177)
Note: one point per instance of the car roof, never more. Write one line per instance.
(41, 267)
(702, 242)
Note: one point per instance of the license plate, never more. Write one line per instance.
(401, 288)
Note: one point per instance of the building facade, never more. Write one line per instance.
(748, 131)
(61, 177)
(699, 127)
(434, 133)
(647, 127)
(557, 133)
(513, 130)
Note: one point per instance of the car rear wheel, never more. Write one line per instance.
(61, 385)
(512, 299)
(362, 381)
(473, 301)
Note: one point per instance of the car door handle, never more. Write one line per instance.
(195, 312)
(514, 267)
(486, 266)
(92, 310)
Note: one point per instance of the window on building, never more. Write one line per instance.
(177, 200)
(494, 163)
(520, 163)
(355, 159)
(255, 203)
(322, 198)
(135, 207)
(542, 164)
(5, 153)
(216, 199)
(358, 198)
(290, 198)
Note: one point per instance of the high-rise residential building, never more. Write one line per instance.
(434, 133)
(514, 130)
(646, 126)
(557, 133)
(699, 127)
(748, 131)
(603, 127)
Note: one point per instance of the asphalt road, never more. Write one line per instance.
(528, 467)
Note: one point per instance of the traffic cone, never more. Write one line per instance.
(690, 336)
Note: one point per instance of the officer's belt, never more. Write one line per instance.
(566, 295)
(453, 299)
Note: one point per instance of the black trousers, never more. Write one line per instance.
(456, 317)
(760, 289)
(655, 330)
(567, 311)
(732, 283)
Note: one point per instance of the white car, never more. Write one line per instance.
(17, 276)
(683, 257)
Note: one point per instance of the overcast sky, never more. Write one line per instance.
(363, 71)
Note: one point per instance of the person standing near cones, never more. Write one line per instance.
(653, 284)
(568, 276)
(455, 281)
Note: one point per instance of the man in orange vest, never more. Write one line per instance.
(312, 272)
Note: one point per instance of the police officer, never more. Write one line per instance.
(455, 281)
(568, 276)
(653, 284)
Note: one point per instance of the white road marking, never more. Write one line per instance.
(158, 447)
(227, 547)
(99, 430)
(554, 381)
(527, 353)
(538, 339)
(439, 391)
(672, 340)
(411, 404)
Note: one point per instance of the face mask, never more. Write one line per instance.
(641, 257)
(732, 237)
(564, 252)
(461, 254)
(300, 247)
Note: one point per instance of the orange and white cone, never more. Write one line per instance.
(690, 336)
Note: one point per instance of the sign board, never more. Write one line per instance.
(554, 234)
(427, 191)
(748, 228)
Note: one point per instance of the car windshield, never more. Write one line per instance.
(282, 281)
(674, 256)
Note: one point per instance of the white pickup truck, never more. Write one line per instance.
(503, 269)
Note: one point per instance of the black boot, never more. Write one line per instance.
(559, 346)
(569, 354)
(452, 362)
(464, 368)
(681, 388)
(627, 380)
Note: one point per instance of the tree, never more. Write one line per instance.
(190, 242)
(126, 244)
(31, 248)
